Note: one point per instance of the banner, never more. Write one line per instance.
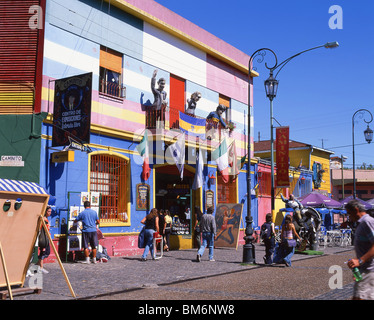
(282, 156)
(72, 110)
(192, 126)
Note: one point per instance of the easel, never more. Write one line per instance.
(58, 257)
(3, 294)
(5, 272)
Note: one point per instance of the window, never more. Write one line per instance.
(111, 73)
(108, 176)
(226, 102)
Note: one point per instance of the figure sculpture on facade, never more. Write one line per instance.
(158, 93)
(214, 120)
(159, 105)
(192, 102)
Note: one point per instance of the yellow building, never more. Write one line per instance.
(305, 156)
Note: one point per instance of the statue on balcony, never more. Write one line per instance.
(159, 93)
(192, 102)
(216, 116)
(215, 122)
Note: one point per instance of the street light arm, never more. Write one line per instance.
(328, 45)
(362, 111)
(282, 64)
(262, 53)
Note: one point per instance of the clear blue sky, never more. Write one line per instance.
(319, 91)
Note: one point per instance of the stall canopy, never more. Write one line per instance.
(367, 205)
(316, 199)
(21, 186)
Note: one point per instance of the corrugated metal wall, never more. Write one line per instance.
(18, 57)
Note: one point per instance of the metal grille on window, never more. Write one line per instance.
(108, 176)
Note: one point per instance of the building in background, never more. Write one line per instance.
(91, 68)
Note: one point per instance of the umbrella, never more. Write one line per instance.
(366, 204)
(316, 199)
(371, 201)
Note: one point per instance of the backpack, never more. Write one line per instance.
(265, 232)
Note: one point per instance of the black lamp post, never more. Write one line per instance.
(271, 87)
(368, 133)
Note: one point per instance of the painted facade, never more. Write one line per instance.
(136, 37)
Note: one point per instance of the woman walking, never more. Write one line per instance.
(288, 244)
(151, 226)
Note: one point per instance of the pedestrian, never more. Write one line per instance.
(208, 230)
(89, 219)
(162, 225)
(44, 249)
(168, 221)
(198, 215)
(151, 226)
(364, 248)
(288, 244)
(268, 236)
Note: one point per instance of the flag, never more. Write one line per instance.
(177, 150)
(220, 156)
(143, 150)
(199, 179)
(242, 161)
(192, 126)
(233, 161)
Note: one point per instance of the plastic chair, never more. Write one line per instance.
(158, 239)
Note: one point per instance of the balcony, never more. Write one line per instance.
(168, 118)
(112, 89)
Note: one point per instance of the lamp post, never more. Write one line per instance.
(342, 159)
(271, 87)
(368, 133)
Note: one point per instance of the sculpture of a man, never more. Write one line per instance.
(158, 93)
(216, 116)
(192, 102)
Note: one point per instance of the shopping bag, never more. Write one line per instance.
(141, 242)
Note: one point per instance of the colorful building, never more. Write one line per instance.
(103, 55)
(309, 169)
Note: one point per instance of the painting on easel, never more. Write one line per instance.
(228, 218)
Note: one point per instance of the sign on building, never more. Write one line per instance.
(72, 110)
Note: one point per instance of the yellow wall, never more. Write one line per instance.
(324, 159)
(307, 160)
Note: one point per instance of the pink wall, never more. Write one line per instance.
(184, 25)
(227, 80)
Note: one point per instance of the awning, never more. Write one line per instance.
(21, 186)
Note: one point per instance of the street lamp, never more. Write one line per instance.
(271, 87)
(368, 133)
(342, 159)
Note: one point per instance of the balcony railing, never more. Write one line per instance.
(168, 118)
(112, 89)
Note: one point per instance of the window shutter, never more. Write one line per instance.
(110, 59)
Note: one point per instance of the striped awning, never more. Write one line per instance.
(21, 186)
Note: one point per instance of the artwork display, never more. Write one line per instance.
(228, 218)
(142, 196)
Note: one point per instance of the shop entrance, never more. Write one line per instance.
(175, 195)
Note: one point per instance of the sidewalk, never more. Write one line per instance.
(124, 273)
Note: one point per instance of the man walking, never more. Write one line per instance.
(89, 220)
(364, 247)
(208, 230)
